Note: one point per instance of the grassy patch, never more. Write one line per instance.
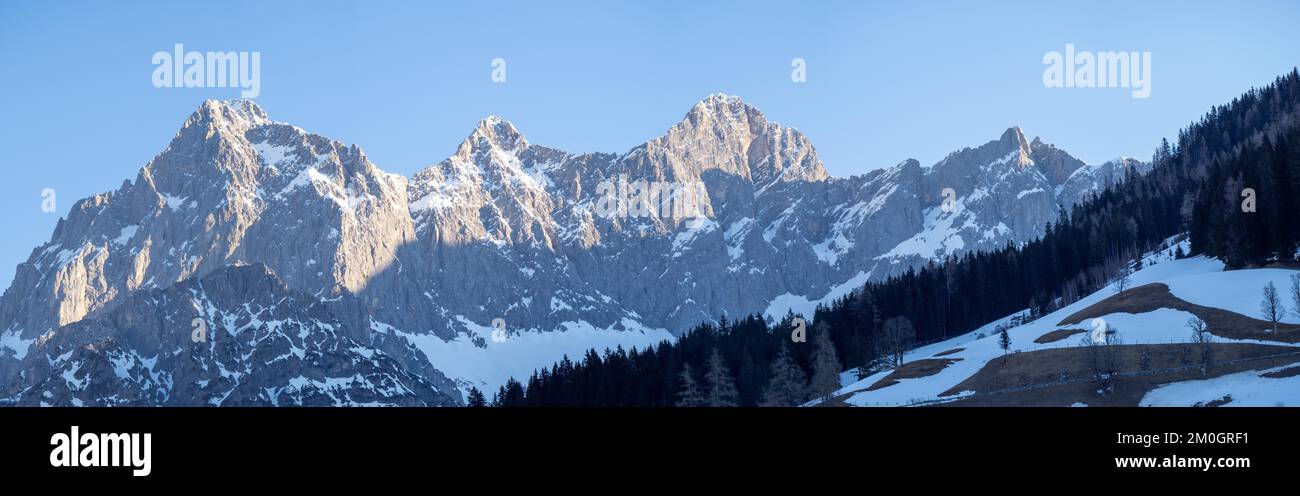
(1151, 297)
(914, 369)
(1071, 367)
(1058, 335)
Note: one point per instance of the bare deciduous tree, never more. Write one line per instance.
(1124, 278)
(898, 337)
(1103, 357)
(1203, 339)
(1295, 295)
(1271, 307)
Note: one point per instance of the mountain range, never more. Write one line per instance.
(325, 280)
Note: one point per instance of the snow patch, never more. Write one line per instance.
(802, 305)
(1241, 389)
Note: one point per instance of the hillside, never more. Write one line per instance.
(1048, 360)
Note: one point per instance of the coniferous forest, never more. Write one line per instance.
(1228, 182)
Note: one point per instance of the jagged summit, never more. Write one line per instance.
(721, 113)
(722, 104)
(247, 112)
(495, 131)
(1013, 136)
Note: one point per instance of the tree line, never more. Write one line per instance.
(1195, 187)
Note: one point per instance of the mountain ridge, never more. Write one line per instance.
(507, 229)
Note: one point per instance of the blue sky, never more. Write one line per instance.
(407, 81)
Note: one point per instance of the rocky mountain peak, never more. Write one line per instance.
(493, 132)
(722, 106)
(235, 115)
(1014, 139)
(970, 166)
(1055, 164)
(723, 133)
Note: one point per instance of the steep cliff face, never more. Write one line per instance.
(518, 238)
(231, 186)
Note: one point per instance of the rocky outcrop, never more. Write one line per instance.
(235, 337)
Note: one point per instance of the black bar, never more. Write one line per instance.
(342, 445)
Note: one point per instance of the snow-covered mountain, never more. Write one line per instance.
(236, 336)
(512, 237)
(1157, 361)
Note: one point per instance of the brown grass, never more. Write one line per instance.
(1058, 335)
(1051, 365)
(914, 369)
(1220, 322)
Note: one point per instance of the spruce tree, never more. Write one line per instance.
(513, 393)
(722, 388)
(788, 385)
(476, 399)
(499, 398)
(689, 395)
(825, 363)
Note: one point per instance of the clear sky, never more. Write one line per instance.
(407, 82)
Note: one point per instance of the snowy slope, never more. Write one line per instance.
(478, 360)
(1198, 280)
(1251, 388)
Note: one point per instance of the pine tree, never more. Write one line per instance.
(873, 359)
(1004, 340)
(498, 398)
(476, 399)
(825, 364)
(689, 395)
(788, 385)
(722, 387)
(513, 394)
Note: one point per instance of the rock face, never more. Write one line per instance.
(231, 186)
(726, 213)
(1096, 178)
(261, 345)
